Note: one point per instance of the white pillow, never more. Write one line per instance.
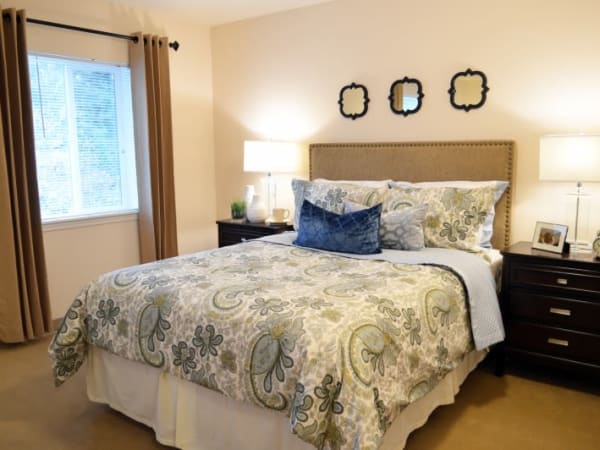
(488, 226)
(367, 183)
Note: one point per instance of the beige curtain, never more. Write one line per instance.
(149, 60)
(24, 300)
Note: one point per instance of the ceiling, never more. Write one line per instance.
(215, 12)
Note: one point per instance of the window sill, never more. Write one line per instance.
(90, 221)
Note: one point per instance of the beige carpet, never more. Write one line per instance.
(513, 412)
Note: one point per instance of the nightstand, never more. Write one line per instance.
(234, 231)
(551, 308)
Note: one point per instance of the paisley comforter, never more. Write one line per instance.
(340, 345)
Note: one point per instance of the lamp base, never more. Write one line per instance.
(579, 209)
(580, 247)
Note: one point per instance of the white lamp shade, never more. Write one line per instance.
(271, 157)
(570, 157)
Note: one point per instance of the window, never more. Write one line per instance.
(83, 121)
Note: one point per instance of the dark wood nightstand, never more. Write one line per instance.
(234, 231)
(551, 308)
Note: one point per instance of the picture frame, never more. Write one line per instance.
(549, 237)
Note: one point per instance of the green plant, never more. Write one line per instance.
(238, 209)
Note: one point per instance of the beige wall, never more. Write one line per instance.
(279, 77)
(76, 255)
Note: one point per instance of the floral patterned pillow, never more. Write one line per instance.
(455, 216)
(331, 196)
(499, 188)
(399, 230)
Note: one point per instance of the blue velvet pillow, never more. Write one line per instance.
(355, 232)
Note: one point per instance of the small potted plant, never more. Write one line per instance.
(238, 209)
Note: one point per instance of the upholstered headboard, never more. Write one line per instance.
(422, 161)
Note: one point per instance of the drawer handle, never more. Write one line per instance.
(562, 281)
(561, 342)
(560, 311)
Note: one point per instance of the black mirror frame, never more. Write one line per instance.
(366, 101)
(484, 89)
(406, 112)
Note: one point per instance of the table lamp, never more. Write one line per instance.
(271, 157)
(576, 158)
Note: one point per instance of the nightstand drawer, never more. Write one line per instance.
(234, 231)
(239, 236)
(552, 310)
(554, 341)
(555, 277)
(226, 242)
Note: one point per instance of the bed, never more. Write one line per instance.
(319, 370)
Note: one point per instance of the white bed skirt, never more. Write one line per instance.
(191, 417)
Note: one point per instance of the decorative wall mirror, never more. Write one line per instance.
(405, 96)
(468, 90)
(354, 101)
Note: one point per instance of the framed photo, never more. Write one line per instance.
(549, 236)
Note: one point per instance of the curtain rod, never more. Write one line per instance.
(174, 45)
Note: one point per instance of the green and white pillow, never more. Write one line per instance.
(399, 230)
(331, 196)
(499, 188)
(455, 216)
